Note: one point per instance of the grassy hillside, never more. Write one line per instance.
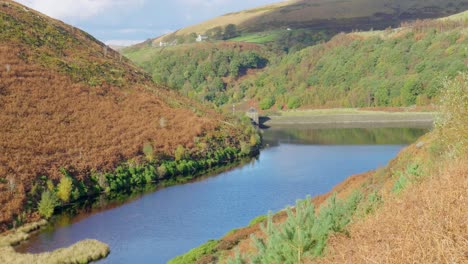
(411, 211)
(399, 67)
(78, 119)
(205, 71)
(394, 67)
(327, 15)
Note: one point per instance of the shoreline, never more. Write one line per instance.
(90, 249)
(84, 251)
(348, 119)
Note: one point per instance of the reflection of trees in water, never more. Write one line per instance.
(343, 136)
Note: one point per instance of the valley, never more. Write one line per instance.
(305, 131)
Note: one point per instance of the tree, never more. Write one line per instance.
(294, 102)
(410, 91)
(230, 31)
(148, 151)
(64, 189)
(47, 204)
(179, 153)
(267, 102)
(215, 33)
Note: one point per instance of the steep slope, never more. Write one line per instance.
(70, 107)
(328, 15)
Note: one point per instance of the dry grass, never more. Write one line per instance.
(21, 234)
(82, 252)
(427, 223)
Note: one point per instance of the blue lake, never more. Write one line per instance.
(157, 226)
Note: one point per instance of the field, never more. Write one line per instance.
(259, 38)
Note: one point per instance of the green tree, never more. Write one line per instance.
(291, 241)
(294, 102)
(267, 102)
(410, 91)
(148, 151)
(230, 31)
(64, 189)
(179, 153)
(47, 204)
(215, 33)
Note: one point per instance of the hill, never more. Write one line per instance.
(78, 119)
(203, 71)
(393, 67)
(325, 15)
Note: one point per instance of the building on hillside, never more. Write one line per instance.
(252, 113)
(163, 44)
(201, 38)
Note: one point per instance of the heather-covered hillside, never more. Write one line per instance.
(78, 119)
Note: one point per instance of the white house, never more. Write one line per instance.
(201, 38)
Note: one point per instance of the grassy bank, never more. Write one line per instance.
(84, 251)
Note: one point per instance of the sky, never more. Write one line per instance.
(124, 22)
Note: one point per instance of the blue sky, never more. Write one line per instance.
(130, 21)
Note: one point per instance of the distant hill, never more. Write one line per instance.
(394, 67)
(328, 15)
(72, 107)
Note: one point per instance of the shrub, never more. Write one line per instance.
(148, 151)
(64, 189)
(373, 201)
(400, 184)
(453, 120)
(294, 102)
(193, 255)
(47, 204)
(267, 102)
(258, 219)
(245, 148)
(179, 153)
(304, 233)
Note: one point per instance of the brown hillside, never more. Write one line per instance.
(425, 225)
(67, 101)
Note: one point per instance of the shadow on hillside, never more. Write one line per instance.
(330, 15)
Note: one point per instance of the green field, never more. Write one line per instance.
(259, 38)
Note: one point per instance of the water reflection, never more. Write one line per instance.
(342, 136)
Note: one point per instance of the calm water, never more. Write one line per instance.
(158, 226)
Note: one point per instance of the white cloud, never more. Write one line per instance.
(134, 30)
(123, 42)
(204, 3)
(81, 9)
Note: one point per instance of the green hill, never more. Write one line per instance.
(205, 71)
(78, 119)
(394, 67)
